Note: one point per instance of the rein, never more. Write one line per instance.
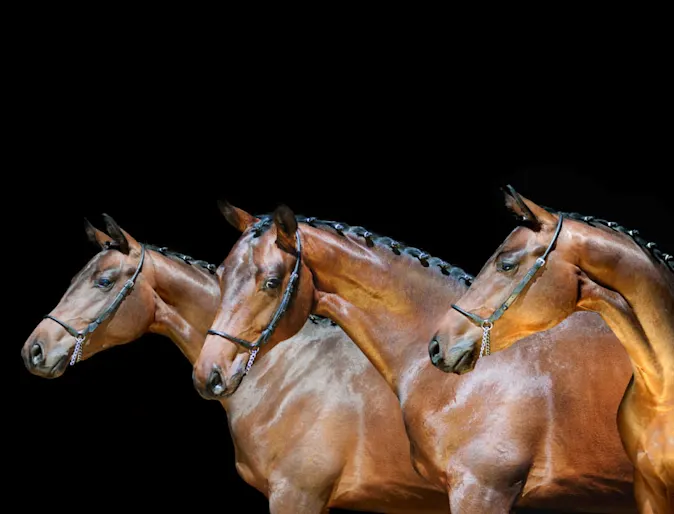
(487, 324)
(254, 347)
(82, 335)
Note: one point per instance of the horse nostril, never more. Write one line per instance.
(434, 349)
(215, 383)
(36, 354)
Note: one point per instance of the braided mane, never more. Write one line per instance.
(650, 247)
(371, 239)
(211, 268)
(321, 320)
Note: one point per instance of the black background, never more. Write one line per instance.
(155, 145)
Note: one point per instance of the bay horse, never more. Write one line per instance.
(306, 447)
(522, 434)
(554, 264)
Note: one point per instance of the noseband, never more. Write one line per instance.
(82, 335)
(487, 324)
(253, 348)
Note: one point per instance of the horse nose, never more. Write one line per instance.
(434, 351)
(35, 355)
(214, 387)
(215, 384)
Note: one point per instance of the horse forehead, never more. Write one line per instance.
(269, 254)
(87, 271)
(249, 257)
(108, 259)
(99, 262)
(75, 289)
(240, 265)
(521, 242)
(518, 239)
(263, 251)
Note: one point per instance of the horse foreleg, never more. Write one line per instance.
(287, 497)
(651, 496)
(470, 496)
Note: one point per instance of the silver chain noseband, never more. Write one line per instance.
(485, 349)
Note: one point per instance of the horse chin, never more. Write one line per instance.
(54, 371)
(59, 366)
(238, 371)
(233, 383)
(465, 364)
(460, 359)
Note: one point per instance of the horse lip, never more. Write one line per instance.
(464, 359)
(235, 381)
(59, 365)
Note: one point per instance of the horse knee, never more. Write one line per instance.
(470, 496)
(652, 495)
(286, 497)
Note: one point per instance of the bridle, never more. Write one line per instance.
(82, 335)
(487, 324)
(253, 348)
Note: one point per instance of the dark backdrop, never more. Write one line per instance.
(126, 427)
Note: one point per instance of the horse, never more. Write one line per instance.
(347, 451)
(521, 435)
(558, 263)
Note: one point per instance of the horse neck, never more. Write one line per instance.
(388, 304)
(644, 323)
(186, 301)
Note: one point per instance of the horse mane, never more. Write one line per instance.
(321, 320)
(181, 257)
(371, 239)
(650, 247)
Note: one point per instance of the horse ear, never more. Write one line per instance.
(117, 234)
(527, 212)
(238, 218)
(99, 238)
(515, 203)
(286, 226)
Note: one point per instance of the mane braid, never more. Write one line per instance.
(321, 320)
(397, 247)
(650, 247)
(211, 268)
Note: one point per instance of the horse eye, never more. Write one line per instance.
(272, 283)
(104, 282)
(506, 266)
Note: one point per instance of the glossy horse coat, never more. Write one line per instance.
(597, 266)
(522, 433)
(308, 433)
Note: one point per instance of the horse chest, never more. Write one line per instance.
(425, 444)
